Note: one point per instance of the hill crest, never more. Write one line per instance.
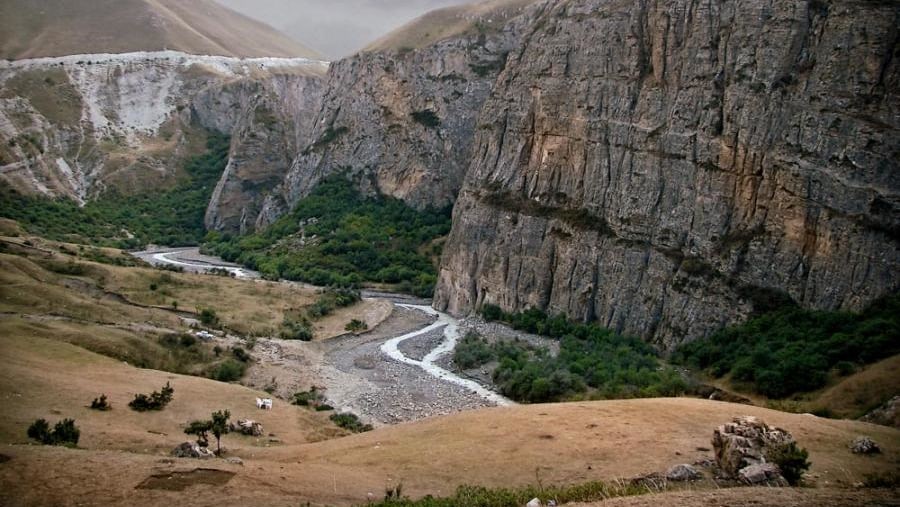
(46, 28)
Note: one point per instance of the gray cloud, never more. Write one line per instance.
(336, 28)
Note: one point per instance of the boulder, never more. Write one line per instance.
(192, 450)
(766, 474)
(885, 415)
(535, 502)
(864, 445)
(247, 427)
(234, 461)
(683, 472)
(744, 442)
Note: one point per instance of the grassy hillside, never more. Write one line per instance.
(337, 236)
(168, 217)
(37, 28)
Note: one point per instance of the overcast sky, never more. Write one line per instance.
(336, 28)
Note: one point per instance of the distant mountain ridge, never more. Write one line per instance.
(45, 28)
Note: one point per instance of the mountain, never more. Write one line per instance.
(667, 169)
(40, 28)
(660, 170)
(449, 22)
(401, 119)
(82, 125)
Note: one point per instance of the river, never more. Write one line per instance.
(383, 383)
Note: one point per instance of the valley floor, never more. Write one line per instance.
(123, 456)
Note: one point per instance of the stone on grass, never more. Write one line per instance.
(864, 445)
(192, 450)
(683, 472)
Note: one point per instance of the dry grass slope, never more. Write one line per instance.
(38, 28)
(450, 22)
(49, 320)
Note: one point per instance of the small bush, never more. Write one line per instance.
(792, 461)
(101, 403)
(311, 398)
(228, 371)
(472, 351)
(296, 330)
(157, 400)
(427, 118)
(350, 422)
(63, 433)
(882, 480)
(241, 354)
(356, 325)
(208, 317)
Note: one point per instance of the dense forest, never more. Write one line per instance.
(792, 350)
(171, 217)
(338, 237)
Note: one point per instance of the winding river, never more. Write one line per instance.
(191, 260)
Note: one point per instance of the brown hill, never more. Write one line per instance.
(38, 28)
(450, 22)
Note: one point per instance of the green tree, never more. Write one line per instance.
(219, 426)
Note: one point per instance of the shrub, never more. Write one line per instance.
(313, 398)
(241, 354)
(491, 312)
(791, 460)
(217, 425)
(157, 400)
(63, 433)
(356, 325)
(350, 422)
(101, 403)
(427, 118)
(228, 370)
(208, 317)
(472, 351)
(296, 330)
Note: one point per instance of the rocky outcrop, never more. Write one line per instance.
(192, 450)
(683, 472)
(743, 443)
(665, 168)
(274, 120)
(887, 414)
(401, 120)
(78, 125)
(864, 445)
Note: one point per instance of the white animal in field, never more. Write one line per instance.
(264, 403)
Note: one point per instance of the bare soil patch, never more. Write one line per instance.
(179, 481)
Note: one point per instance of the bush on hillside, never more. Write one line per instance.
(228, 370)
(791, 460)
(101, 404)
(157, 400)
(350, 422)
(63, 433)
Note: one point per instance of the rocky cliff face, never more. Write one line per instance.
(402, 120)
(662, 167)
(79, 125)
(273, 122)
